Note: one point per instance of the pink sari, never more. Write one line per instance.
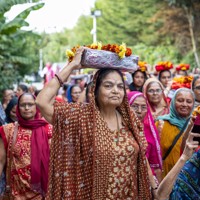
(153, 152)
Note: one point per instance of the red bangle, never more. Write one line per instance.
(59, 80)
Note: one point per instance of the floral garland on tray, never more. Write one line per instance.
(142, 66)
(164, 65)
(181, 82)
(183, 67)
(121, 50)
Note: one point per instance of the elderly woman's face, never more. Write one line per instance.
(111, 91)
(75, 93)
(184, 103)
(140, 107)
(27, 107)
(197, 89)
(154, 93)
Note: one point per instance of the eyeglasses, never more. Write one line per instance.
(25, 105)
(137, 107)
(157, 91)
(197, 88)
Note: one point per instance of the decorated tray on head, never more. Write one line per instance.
(106, 56)
(182, 82)
(142, 66)
(183, 67)
(163, 65)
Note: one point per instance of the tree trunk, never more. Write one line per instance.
(194, 48)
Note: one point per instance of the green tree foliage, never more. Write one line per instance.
(17, 47)
(181, 21)
(155, 54)
(54, 46)
(155, 30)
(127, 21)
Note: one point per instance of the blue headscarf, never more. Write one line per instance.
(173, 117)
(69, 96)
(69, 92)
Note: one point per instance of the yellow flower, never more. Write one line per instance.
(183, 68)
(122, 49)
(99, 44)
(96, 45)
(142, 65)
(69, 53)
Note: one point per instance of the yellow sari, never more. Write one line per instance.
(168, 133)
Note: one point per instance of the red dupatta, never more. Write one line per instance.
(39, 150)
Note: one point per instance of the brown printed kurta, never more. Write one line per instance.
(86, 163)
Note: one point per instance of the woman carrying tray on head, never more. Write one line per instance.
(98, 149)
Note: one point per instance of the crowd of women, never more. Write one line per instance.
(106, 139)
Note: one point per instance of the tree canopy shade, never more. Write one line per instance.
(182, 21)
(156, 30)
(18, 48)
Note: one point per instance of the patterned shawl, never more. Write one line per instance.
(188, 180)
(78, 166)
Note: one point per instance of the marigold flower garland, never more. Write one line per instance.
(142, 66)
(163, 65)
(183, 67)
(121, 50)
(181, 82)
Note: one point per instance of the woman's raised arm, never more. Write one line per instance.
(167, 183)
(46, 97)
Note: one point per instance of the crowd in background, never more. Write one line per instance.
(162, 101)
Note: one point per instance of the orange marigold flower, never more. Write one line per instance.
(142, 66)
(121, 50)
(128, 51)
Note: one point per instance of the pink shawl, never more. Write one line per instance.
(150, 132)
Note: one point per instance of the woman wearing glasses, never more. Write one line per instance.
(139, 104)
(154, 92)
(173, 127)
(24, 150)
